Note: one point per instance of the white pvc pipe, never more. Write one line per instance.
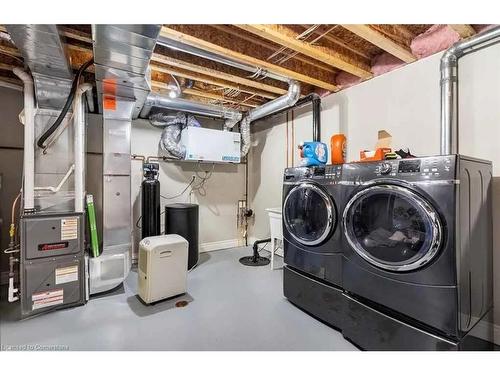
(55, 189)
(12, 291)
(79, 146)
(29, 139)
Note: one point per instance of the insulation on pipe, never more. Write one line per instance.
(171, 135)
(231, 116)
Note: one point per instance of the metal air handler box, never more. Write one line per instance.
(52, 262)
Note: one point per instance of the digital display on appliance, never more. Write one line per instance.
(319, 171)
(409, 166)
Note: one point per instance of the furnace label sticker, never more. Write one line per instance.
(47, 299)
(66, 275)
(69, 229)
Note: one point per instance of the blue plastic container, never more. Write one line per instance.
(313, 153)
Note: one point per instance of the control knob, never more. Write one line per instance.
(385, 168)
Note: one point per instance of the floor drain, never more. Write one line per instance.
(181, 304)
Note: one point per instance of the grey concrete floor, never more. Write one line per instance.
(232, 307)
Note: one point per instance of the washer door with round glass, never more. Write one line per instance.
(308, 214)
(392, 228)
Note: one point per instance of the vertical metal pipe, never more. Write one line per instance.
(449, 103)
(449, 85)
(316, 115)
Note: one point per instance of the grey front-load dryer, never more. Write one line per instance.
(418, 251)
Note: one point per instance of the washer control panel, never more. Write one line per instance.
(330, 174)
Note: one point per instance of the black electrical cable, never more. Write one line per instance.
(66, 107)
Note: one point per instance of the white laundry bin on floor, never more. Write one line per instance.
(276, 227)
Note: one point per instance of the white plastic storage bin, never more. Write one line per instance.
(276, 228)
(163, 264)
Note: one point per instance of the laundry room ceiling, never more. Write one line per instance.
(324, 58)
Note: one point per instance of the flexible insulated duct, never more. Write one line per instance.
(171, 135)
(278, 104)
(449, 85)
(231, 116)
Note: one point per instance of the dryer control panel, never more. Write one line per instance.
(415, 169)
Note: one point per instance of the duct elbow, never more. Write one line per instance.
(232, 119)
(84, 87)
(23, 76)
(293, 93)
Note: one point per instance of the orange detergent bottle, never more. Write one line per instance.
(338, 145)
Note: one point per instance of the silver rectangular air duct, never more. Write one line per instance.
(121, 54)
(43, 51)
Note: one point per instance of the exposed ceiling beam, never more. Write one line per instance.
(191, 71)
(199, 73)
(74, 34)
(464, 31)
(201, 43)
(154, 84)
(287, 37)
(262, 88)
(162, 87)
(4, 66)
(380, 40)
(208, 80)
(269, 46)
(10, 51)
(337, 41)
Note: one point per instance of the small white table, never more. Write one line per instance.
(276, 226)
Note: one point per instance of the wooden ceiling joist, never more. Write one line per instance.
(191, 71)
(163, 87)
(339, 42)
(206, 45)
(269, 46)
(261, 88)
(380, 40)
(464, 31)
(285, 36)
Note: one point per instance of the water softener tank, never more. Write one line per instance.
(182, 219)
(150, 201)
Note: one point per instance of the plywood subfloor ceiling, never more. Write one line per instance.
(315, 55)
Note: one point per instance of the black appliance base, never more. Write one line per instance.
(363, 325)
(318, 299)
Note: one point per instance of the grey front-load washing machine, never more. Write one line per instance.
(312, 236)
(418, 251)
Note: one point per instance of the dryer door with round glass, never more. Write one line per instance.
(308, 214)
(392, 227)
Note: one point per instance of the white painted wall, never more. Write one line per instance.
(272, 140)
(218, 208)
(406, 103)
